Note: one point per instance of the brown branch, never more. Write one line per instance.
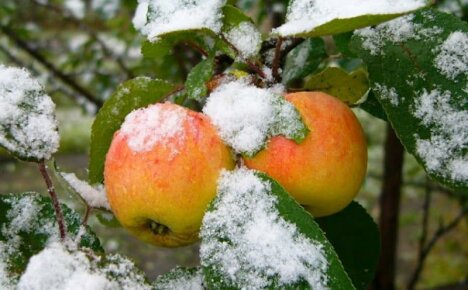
(197, 47)
(86, 214)
(55, 202)
(20, 43)
(277, 61)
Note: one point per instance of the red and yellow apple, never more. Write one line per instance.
(324, 172)
(161, 173)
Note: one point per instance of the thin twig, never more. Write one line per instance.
(86, 215)
(53, 196)
(277, 61)
(197, 47)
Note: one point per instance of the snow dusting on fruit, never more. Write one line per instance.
(452, 59)
(259, 244)
(306, 15)
(154, 18)
(28, 127)
(157, 124)
(246, 115)
(94, 196)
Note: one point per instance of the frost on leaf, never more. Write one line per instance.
(445, 149)
(246, 116)
(245, 238)
(180, 278)
(154, 18)
(59, 267)
(28, 127)
(306, 15)
(452, 58)
(245, 38)
(94, 196)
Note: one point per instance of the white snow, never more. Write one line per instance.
(27, 122)
(93, 196)
(246, 38)
(452, 59)
(6, 280)
(305, 15)
(246, 115)
(154, 18)
(107, 7)
(179, 279)
(259, 243)
(76, 7)
(58, 268)
(443, 151)
(396, 31)
(155, 125)
(386, 93)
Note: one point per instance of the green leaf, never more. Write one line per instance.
(164, 46)
(255, 235)
(233, 16)
(417, 66)
(28, 225)
(342, 43)
(355, 238)
(130, 95)
(180, 278)
(310, 21)
(348, 87)
(372, 106)
(304, 59)
(28, 126)
(197, 79)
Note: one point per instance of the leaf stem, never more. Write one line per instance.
(53, 196)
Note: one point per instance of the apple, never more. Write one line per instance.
(161, 172)
(325, 171)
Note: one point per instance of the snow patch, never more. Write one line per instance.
(258, 243)
(154, 18)
(179, 278)
(93, 196)
(306, 15)
(452, 59)
(246, 38)
(386, 93)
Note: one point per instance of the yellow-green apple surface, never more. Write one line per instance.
(161, 172)
(324, 172)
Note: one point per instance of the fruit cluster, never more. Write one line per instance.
(162, 167)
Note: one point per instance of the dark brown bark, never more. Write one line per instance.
(389, 211)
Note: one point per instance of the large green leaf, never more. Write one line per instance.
(417, 66)
(255, 235)
(304, 59)
(130, 95)
(355, 238)
(28, 225)
(372, 106)
(197, 79)
(319, 18)
(348, 87)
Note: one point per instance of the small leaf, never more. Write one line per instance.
(165, 45)
(131, 95)
(28, 126)
(254, 235)
(28, 225)
(348, 87)
(355, 238)
(233, 16)
(307, 18)
(342, 43)
(372, 106)
(304, 59)
(180, 278)
(417, 66)
(197, 79)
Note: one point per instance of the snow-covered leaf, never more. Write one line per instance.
(348, 87)
(28, 224)
(308, 18)
(246, 116)
(255, 236)
(304, 59)
(356, 239)
(130, 95)
(180, 278)
(28, 127)
(196, 83)
(418, 66)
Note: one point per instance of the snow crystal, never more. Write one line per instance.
(6, 281)
(397, 31)
(388, 94)
(246, 38)
(261, 244)
(443, 151)
(27, 122)
(94, 196)
(452, 59)
(58, 268)
(306, 15)
(246, 115)
(156, 124)
(181, 279)
(154, 18)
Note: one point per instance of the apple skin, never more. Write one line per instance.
(325, 171)
(158, 187)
